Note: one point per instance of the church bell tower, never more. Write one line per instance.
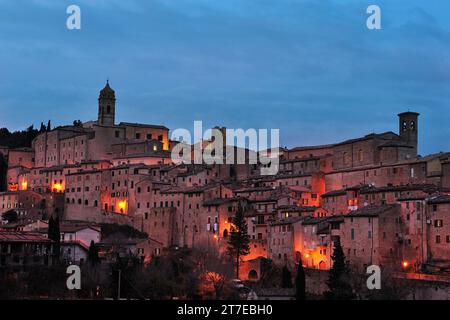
(408, 128)
(107, 106)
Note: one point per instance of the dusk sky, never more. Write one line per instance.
(310, 68)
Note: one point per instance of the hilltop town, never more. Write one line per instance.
(384, 203)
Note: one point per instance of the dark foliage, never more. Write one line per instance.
(238, 242)
(300, 283)
(286, 278)
(339, 276)
(17, 139)
(55, 235)
(10, 216)
(93, 257)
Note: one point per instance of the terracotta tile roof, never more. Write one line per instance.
(372, 211)
(335, 193)
(76, 228)
(154, 126)
(219, 201)
(22, 236)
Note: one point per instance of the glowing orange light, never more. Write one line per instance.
(24, 185)
(216, 237)
(405, 264)
(57, 187)
(122, 205)
(13, 186)
(307, 255)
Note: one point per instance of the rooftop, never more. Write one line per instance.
(143, 125)
(372, 211)
(22, 236)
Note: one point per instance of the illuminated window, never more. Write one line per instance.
(438, 223)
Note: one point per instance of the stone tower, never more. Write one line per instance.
(409, 128)
(107, 106)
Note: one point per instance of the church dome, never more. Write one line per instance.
(107, 92)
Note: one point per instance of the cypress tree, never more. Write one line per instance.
(339, 278)
(239, 240)
(54, 234)
(93, 254)
(300, 283)
(286, 278)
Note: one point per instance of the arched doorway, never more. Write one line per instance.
(253, 275)
(322, 265)
(225, 233)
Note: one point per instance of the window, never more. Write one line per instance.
(438, 223)
(438, 239)
(360, 155)
(138, 135)
(149, 136)
(117, 133)
(160, 138)
(344, 158)
(353, 234)
(108, 109)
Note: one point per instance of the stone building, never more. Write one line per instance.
(95, 140)
(383, 201)
(371, 235)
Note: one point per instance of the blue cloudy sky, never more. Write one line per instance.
(308, 67)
